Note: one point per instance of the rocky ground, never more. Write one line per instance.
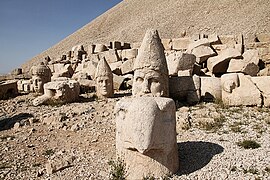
(77, 140)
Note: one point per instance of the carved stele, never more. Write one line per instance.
(41, 74)
(104, 79)
(150, 68)
(146, 136)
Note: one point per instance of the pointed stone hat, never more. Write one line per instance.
(151, 53)
(103, 69)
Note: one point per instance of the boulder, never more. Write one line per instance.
(219, 64)
(202, 53)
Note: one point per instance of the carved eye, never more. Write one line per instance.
(139, 79)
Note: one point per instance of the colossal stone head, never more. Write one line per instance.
(104, 79)
(150, 68)
(41, 74)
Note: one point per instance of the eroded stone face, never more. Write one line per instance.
(41, 74)
(104, 86)
(146, 136)
(150, 68)
(149, 83)
(104, 80)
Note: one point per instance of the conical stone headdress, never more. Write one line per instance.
(103, 69)
(151, 54)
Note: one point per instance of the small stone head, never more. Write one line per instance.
(230, 82)
(104, 79)
(150, 68)
(41, 74)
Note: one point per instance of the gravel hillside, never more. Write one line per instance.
(128, 21)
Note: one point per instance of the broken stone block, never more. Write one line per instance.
(8, 89)
(210, 89)
(167, 44)
(111, 56)
(238, 89)
(146, 136)
(219, 64)
(195, 44)
(263, 84)
(16, 71)
(186, 88)
(129, 54)
(229, 40)
(219, 47)
(185, 72)
(126, 45)
(115, 45)
(136, 45)
(116, 67)
(180, 61)
(202, 53)
(62, 70)
(100, 48)
(59, 91)
(180, 43)
(264, 72)
(127, 66)
(213, 38)
(248, 65)
(117, 81)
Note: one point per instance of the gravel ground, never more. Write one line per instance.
(129, 20)
(77, 140)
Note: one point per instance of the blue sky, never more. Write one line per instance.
(28, 27)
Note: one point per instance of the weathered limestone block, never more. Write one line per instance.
(167, 44)
(117, 81)
(185, 88)
(126, 45)
(210, 89)
(180, 61)
(116, 67)
(220, 63)
(100, 48)
(146, 136)
(264, 72)
(180, 43)
(136, 45)
(195, 44)
(129, 54)
(238, 89)
(263, 84)
(85, 70)
(8, 89)
(111, 56)
(202, 53)
(248, 65)
(62, 90)
(229, 40)
(16, 71)
(62, 70)
(25, 86)
(115, 45)
(41, 74)
(104, 79)
(127, 66)
(150, 68)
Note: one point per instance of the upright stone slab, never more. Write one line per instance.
(238, 89)
(104, 79)
(146, 136)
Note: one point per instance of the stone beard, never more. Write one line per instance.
(148, 82)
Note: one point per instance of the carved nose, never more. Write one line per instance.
(145, 87)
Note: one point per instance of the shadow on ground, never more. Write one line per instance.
(8, 122)
(194, 155)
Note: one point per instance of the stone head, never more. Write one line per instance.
(41, 74)
(150, 68)
(104, 79)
